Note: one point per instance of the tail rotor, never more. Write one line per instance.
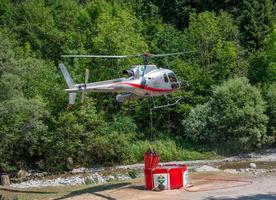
(84, 86)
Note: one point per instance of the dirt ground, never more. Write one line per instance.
(205, 186)
(255, 188)
(228, 184)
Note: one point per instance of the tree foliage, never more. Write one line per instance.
(229, 39)
(255, 22)
(271, 111)
(234, 117)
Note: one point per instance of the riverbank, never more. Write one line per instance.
(265, 162)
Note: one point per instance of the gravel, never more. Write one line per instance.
(95, 178)
(206, 168)
(80, 176)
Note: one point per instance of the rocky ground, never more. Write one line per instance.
(77, 176)
(255, 163)
(260, 188)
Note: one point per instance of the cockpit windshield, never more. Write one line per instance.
(173, 80)
(172, 77)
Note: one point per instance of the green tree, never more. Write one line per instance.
(255, 22)
(207, 30)
(270, 97)
(263, 63)
(5, 11)
(33, 35)
(23, 131)
(217, 47)
(66, 15)
(7, 60)
(234, 118)
(110, 29)
(34, 25)
(73, 135)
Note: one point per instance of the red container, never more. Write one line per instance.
(155, 161)
(148, 158)
(151, 160)
(176, 177)
(185, 176)
(148, 179)
(172, 174)
(151, 173)
(163, 172)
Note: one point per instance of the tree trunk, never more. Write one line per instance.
(5, 180)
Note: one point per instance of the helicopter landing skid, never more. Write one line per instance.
(166, 105)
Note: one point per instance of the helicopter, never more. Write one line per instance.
(145, 80)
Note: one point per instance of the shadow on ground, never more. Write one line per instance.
(25, 191)
(271, 196)
(137, 187)
(93, 190)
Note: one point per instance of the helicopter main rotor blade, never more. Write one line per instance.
(99, 56)
(145, 56)
(170, 54)
(127, 56)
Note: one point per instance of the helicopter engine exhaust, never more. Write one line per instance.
(129, 73)
(123, 97)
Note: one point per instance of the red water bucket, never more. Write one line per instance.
(155, 161)
(171, 176)
(151, 160)
(148, 179)
(148, 158)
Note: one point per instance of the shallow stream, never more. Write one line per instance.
(245, 164)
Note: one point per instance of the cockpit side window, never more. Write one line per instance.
(172, 77)
(141, 70)
(166, 78)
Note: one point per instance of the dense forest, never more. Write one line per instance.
(228, 84)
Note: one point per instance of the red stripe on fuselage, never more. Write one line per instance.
(146, 87)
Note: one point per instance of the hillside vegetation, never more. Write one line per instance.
(228, 84)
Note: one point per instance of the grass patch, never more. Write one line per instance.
(168, 151)
(60, 192)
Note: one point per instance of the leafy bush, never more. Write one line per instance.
(110, 149)
(23, 132)
(271, 111)
(167, 149)
(233, 118)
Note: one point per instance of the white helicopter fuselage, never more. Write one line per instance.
(154, 82)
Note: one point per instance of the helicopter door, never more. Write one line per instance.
(173, 80)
